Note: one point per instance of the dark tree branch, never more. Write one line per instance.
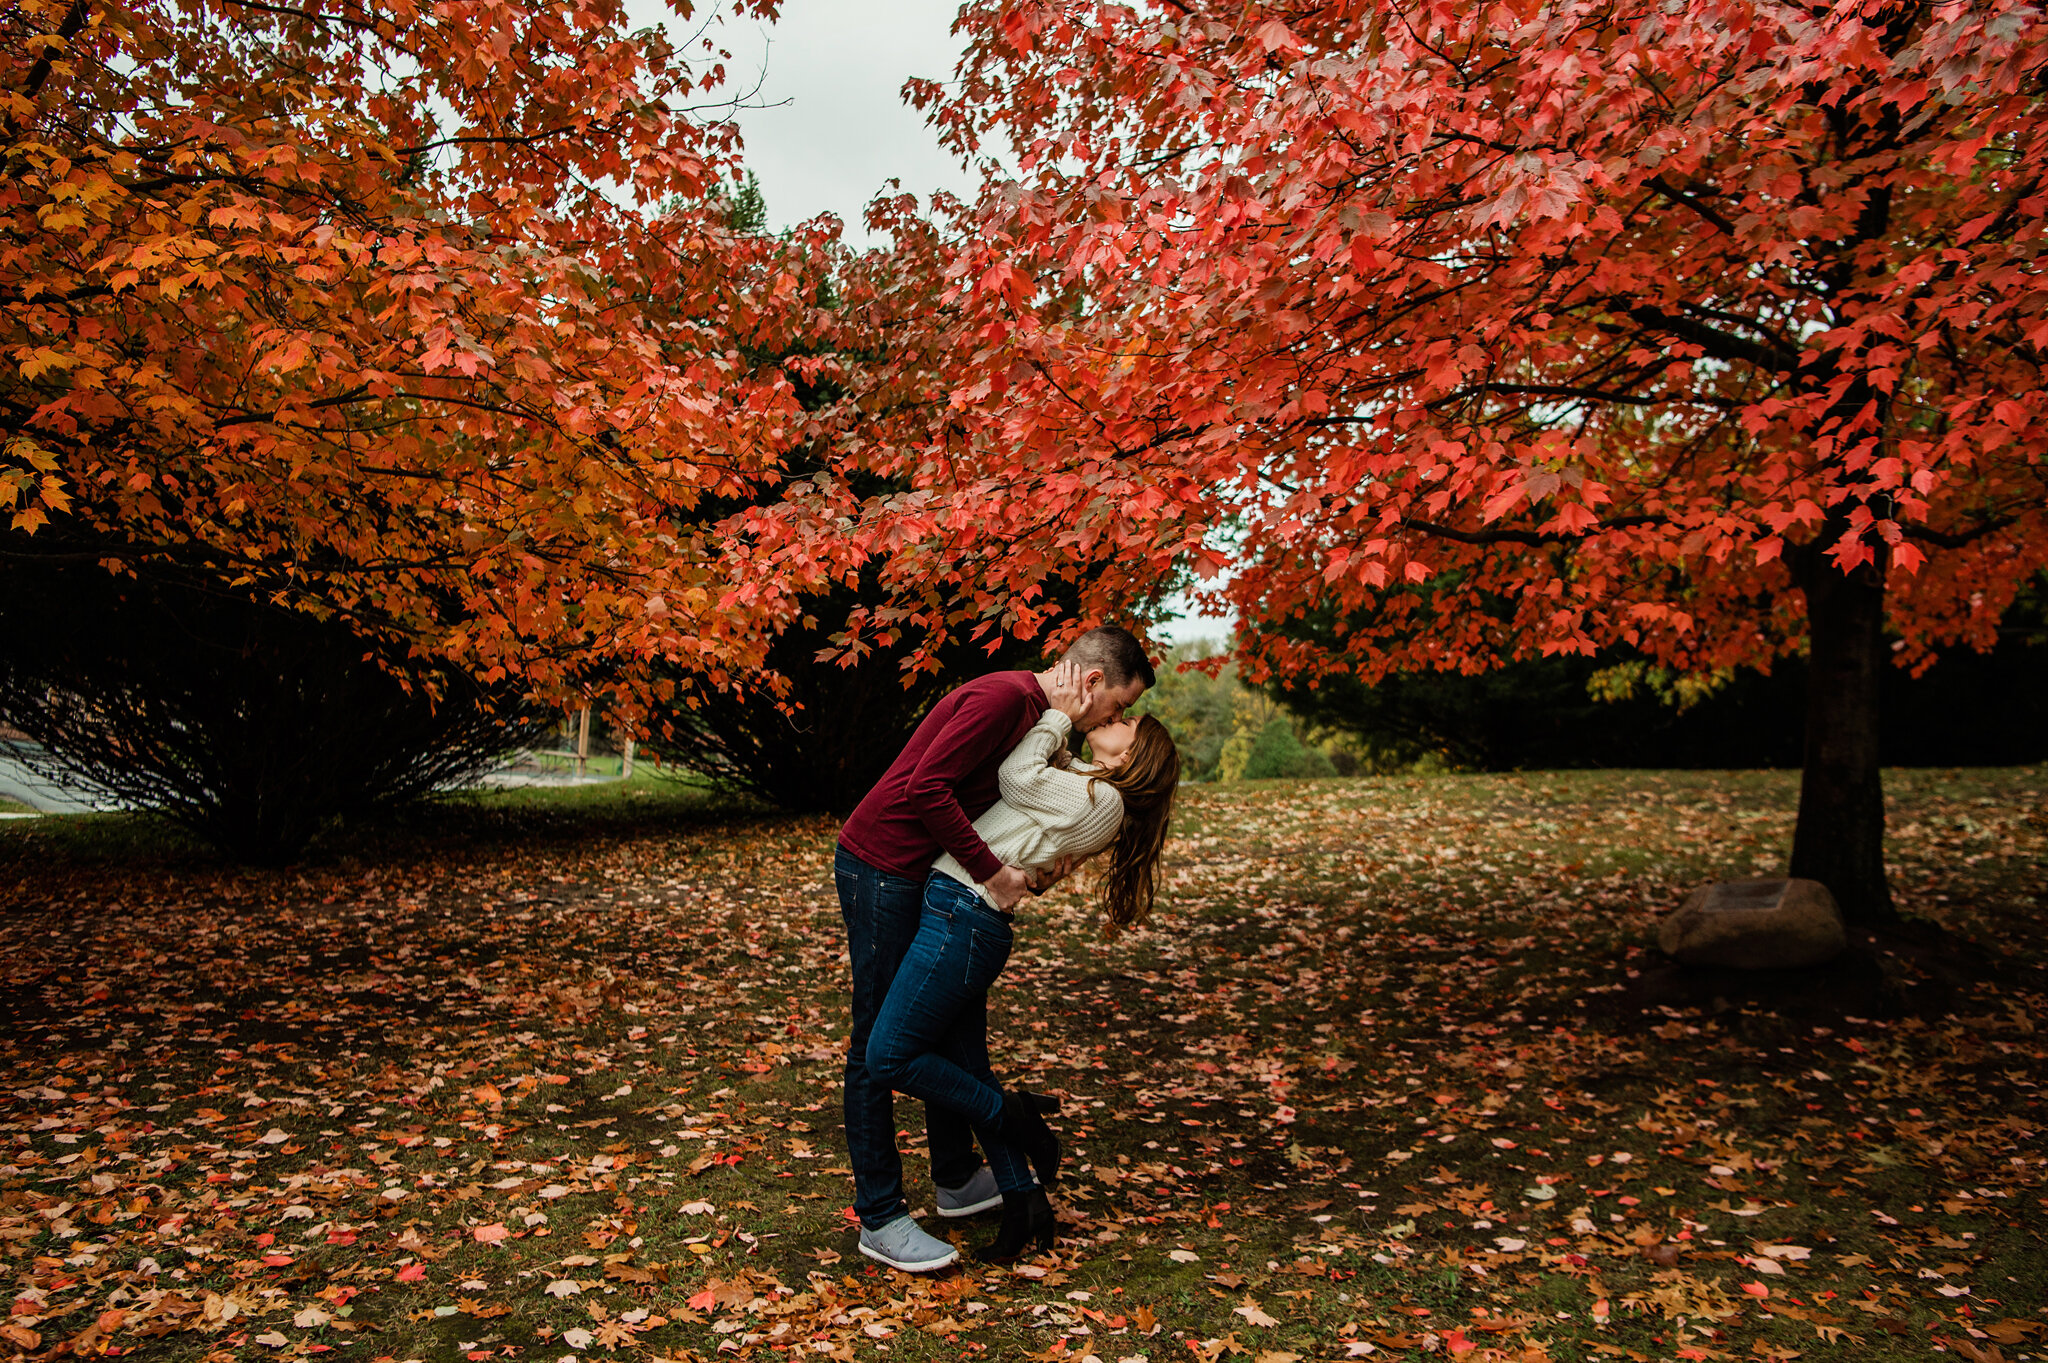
(1696, 204)
(355, 24)
(1529, 537)
(74, 20)
(1955, 539)
(1565, 390)
(356, 394)
(1719, 344)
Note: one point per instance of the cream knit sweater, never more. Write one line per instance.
(1045, 813)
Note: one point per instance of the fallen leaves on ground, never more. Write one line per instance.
(1381, 1080)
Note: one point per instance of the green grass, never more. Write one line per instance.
(1375, 1020)
(647, 804)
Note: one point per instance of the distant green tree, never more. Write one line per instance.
(1620, 710)
(1199, 710)
(1279, 752)
(747, 209)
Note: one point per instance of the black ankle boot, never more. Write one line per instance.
(1023, 1125)
(1028, 1223)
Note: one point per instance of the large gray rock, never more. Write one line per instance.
(1755, 925)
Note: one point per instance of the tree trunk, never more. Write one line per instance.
(1839, 840)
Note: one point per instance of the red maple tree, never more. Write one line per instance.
(427, 315)
(1712, 330)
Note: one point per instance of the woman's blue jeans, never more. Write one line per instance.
(930, 1039)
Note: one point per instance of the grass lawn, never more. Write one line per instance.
(556, 1073)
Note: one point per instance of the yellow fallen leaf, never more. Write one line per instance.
(1793, 1252)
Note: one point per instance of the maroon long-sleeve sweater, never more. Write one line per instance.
(945, 779)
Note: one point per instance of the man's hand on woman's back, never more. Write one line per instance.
(1007, 886)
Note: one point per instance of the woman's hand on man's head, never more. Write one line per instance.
(1064, 691)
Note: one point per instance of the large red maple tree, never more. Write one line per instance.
(426, 314)
(1711, 329)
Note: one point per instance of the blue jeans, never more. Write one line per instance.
(881, 914)
(931, 1037)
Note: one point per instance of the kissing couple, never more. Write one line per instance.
(984, 806)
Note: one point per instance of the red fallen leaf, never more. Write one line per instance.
(277, 1260)
(412, 1273)
(703, 1301)
(1756, 1289)
(1456, 1342)
(341, 1237)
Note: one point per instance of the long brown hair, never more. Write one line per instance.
(1146, 782)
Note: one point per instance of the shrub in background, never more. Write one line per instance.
(842, 726)
(248, 723)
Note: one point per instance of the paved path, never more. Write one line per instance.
(25, 787)
(507, 778)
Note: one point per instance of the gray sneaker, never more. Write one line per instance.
(978, 1194)
(903, 1244)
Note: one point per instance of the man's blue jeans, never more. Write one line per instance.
(881, 913)
(931, 1037)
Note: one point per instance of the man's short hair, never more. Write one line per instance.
(1117, 652)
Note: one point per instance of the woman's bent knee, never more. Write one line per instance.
(887, 1063)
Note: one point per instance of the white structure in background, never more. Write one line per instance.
(565, 766)
(25, 786)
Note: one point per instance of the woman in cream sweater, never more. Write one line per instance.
(930, 1039)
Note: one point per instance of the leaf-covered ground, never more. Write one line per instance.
(1395, 1073)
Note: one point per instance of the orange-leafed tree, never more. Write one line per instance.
(426, 316)
(1712, 329)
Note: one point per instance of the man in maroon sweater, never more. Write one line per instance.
(926, 804)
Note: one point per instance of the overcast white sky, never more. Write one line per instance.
(829, 129)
